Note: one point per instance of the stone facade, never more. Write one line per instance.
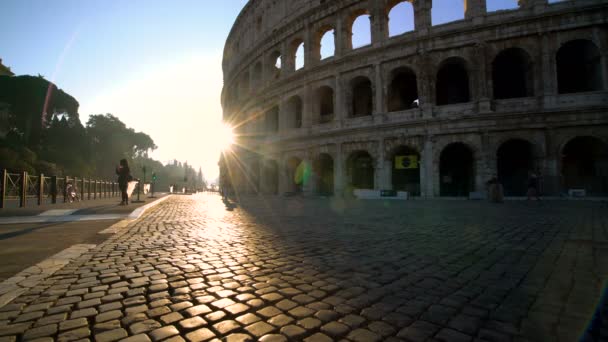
(505, 93)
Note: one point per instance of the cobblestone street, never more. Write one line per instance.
(320, 270)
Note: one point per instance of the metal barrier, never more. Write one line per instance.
(24, 188)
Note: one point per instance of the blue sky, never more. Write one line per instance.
(156, 64)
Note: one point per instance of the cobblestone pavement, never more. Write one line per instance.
(320, 270)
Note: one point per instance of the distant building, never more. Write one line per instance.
(4, 107)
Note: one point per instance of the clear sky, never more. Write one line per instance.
(155, 64)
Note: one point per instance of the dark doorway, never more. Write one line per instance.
(361, 166)
(457, 177)
(585, 165)
(325, 98)
(452, 82)
(362, 101)
(512, 74)
(403, 91)
(324, 170)
(295, 175)
(406, 170)
(271, 172)
(514, 161)
(579, 67)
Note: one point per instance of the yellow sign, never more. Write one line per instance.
(406, 162)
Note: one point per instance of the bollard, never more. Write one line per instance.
(82, 189)
(89, 189)
(40, 188)
(53, 189)
(23, 190)
(3, 185)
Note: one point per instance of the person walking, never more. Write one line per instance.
(533, 186)
(124, 176)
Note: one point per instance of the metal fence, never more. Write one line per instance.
(23, 188)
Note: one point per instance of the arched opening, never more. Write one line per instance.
(403, 90)
(294, 110)
(325, 98)
(257, 74)
(298, 54)
(400, 18)
(327, 45)
(271, 119)
(406, 170)
(296, 174)
(271, 175)
(514, 162)
(501, 5)
(362, 96)
(456, 170)
(579, 67)
(585, 165)
(361, 170)
(452, 84)
(445, 11)
(361, 31)
(324, 172)
(512, 74)
(275, 65)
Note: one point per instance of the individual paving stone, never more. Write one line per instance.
(158, 311)
(335, 329)
(255, 303)
(163, 333)
(259, 329)
(14, 329)
(301, 312)
(238, 337)
(132, 301)
(247, 319)
(144, 326)
(136, 309)
(47, 330)
(108, 316)
(363, 335)
(222, 303)
(8, 315)
(226, 326)
(110, 306)
(74, 334)
(318, 337)
(215, 316)
(203, 334)
(107, 326)
(181, 306)
(171, 318)
(269, 311)
(192, 323)
(30, 316)
(381, 328)
(303, 299)
(309, 323)
(88, 303)
(450, 335)
(326, 315)
(293, 331)
(205, 299)
(352, 321)
(37, 307)
(280, 320)
(88, 312)
(273, 338)
(286, 305)
(12, 307)
(159, 303)
(73, 323)
(236, 309)
(197, 310)
(59, 309)
(418, 331)
(272, 297)
(52, 319)
(466, 324)
(112, 335)
(137, 338)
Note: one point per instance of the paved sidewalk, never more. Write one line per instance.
(320, 270)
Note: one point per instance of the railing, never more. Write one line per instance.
(24, 188)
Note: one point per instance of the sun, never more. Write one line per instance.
(224, 137)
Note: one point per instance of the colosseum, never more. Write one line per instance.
(342, 96)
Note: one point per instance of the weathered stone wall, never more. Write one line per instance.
(546, 119)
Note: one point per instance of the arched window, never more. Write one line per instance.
(403, 90)
(298, 54)
(361, 31)
(456, 170)
(400, 18)
(452, 84)
(514, 161)
(512, 74)
(325, 98)
(578, 67)
(445, 11)
(500, 5)
(585, 165)
(275, 64)
(294, 111)
(362, 96)
(361, 170)
(327, 45)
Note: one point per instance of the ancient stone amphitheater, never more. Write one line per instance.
(331, 96)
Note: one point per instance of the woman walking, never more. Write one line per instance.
(124, 176)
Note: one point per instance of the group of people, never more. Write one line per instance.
(496, 193)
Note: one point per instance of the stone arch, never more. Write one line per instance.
(325, 43)
(578, 67)
(294, 107)
(456, 170)
(400, 17)
(297, 174)
(362, 97)
(360, 170)
(512, 74)
(324, 96)
(403, 90)
(405, 169)
(452, 82)
(275, 64)
(323, 169)
(584, 165)
(297, 53)
(515, 159)
(359, 27)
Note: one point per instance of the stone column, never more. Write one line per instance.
(307, 107)
(379, 23)
(549, 73)
(379, 106)
(481, 79)
(340, 102)
(339, 171)
(475, 10)
(428, 174)
(549, 165)
(381, 172)
(309, 54)
(424, 83)
(488, 160)
(422, 16)
(340, 37)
